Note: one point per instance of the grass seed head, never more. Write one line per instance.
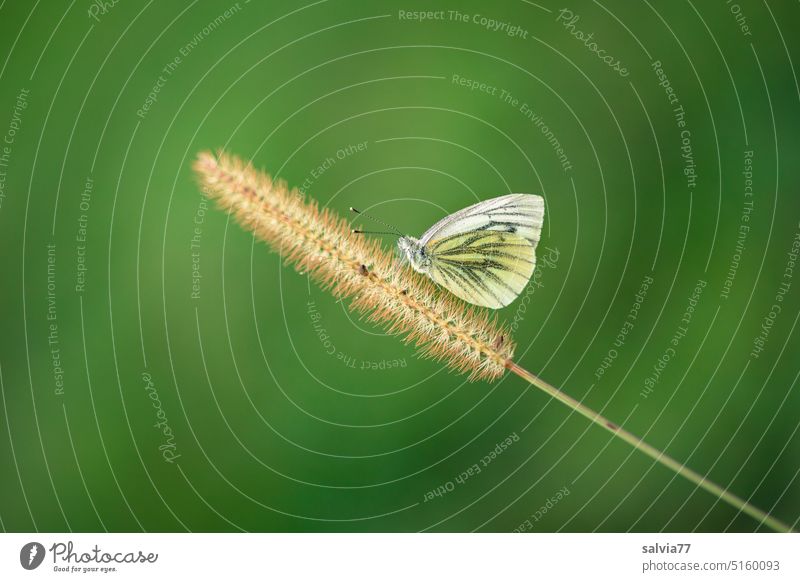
(379, 285)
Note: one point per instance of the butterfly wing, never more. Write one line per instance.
(485, 254)
(485, 267)
(522, 214)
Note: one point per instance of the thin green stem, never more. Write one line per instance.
(652, 452)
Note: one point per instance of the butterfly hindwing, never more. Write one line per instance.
(485, 267)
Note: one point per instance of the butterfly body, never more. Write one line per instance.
(414, 252)
(485, 253)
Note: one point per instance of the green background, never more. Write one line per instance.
(273, 432)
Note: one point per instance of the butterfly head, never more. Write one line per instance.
(414, 252)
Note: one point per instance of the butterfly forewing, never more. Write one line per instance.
(485, 267)
(522, 214)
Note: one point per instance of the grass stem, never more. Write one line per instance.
(652, 452)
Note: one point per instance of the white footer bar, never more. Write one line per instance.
(354, 557)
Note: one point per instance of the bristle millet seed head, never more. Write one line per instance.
(388, 293)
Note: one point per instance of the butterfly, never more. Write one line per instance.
(485, 254)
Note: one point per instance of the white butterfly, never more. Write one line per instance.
(485, 254)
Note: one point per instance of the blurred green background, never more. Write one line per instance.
(132, 400)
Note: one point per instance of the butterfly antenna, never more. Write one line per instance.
(372, 218)
(358, 231)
